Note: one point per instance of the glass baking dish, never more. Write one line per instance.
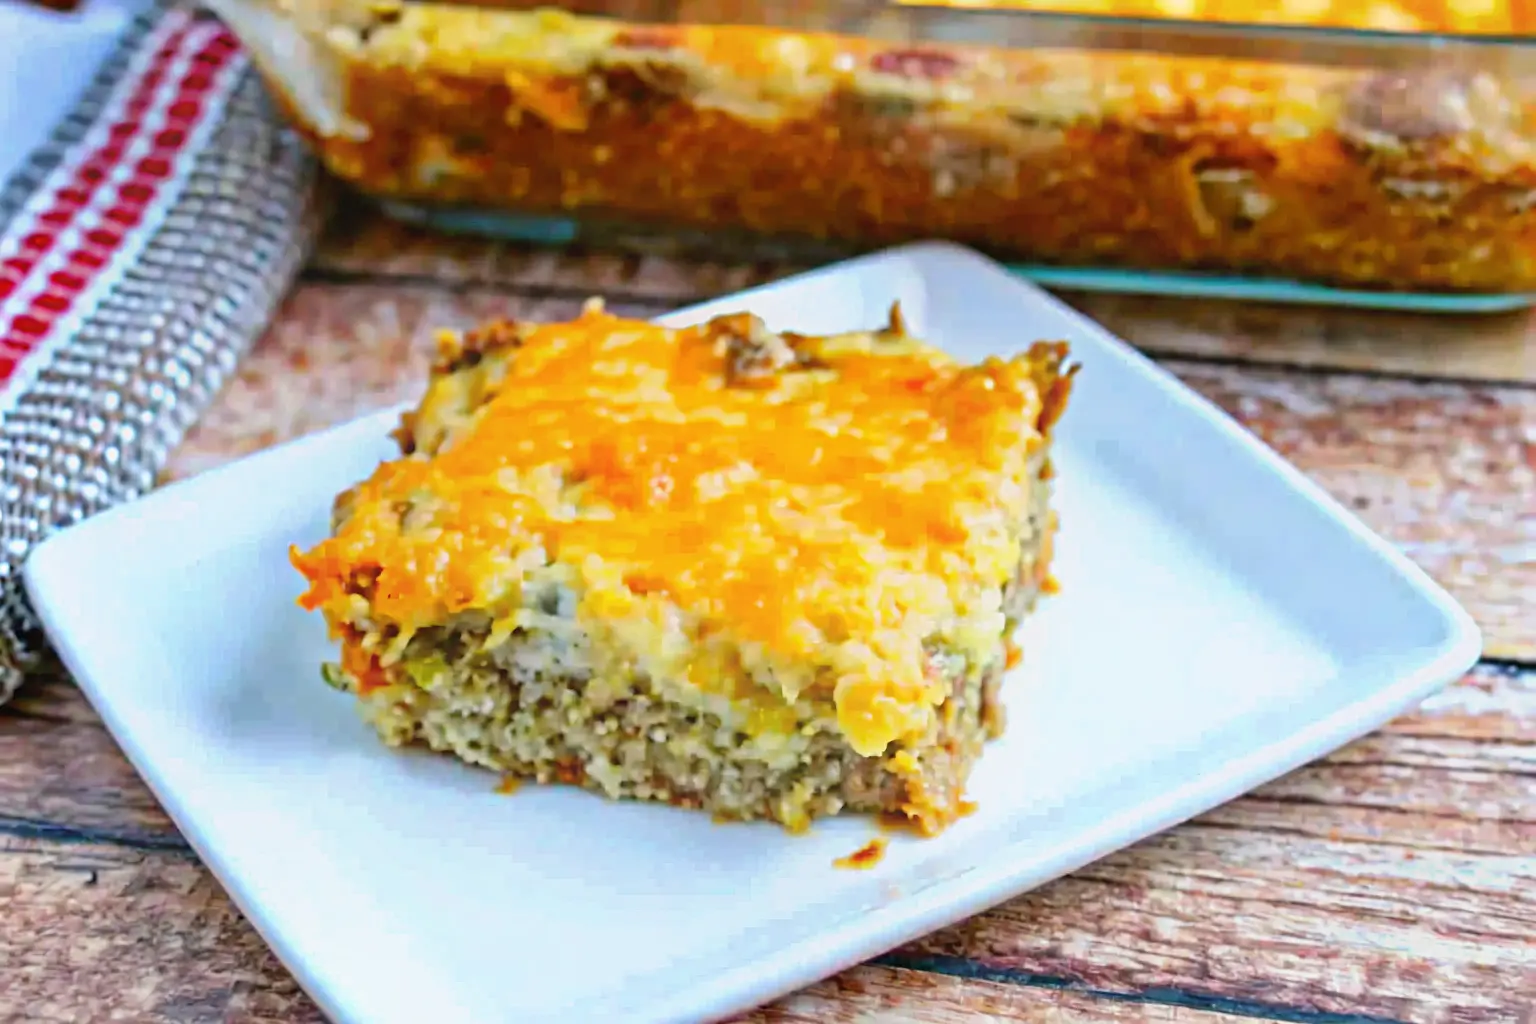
(1276, 161)
(1466, 17)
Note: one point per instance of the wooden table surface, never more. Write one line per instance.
(1392, 881)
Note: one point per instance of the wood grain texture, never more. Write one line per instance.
(149, 936)
(362, 245)
(900, 996)
(1396, 879)
(99, 932)
(1493, 348)
(1447, 471)
(1321, 925)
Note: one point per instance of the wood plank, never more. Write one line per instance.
(1489, 703)
(1501, 347)
(898, 996)
(50, 695)
(94, 931)
(1494, 348)
(1394, 878)
(1447, 470)
(1370, 883)
(368, 246)
(62, 774)
(98, 932)
(1327, 926)
(71, 775)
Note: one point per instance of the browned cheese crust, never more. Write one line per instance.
(808, 614)
(1412, 180)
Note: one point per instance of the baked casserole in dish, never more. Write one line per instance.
(762, 574)
(1414, 172)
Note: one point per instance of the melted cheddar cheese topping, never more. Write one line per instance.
(829, 505)
(1471, 16)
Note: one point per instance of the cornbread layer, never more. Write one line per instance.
(523, 708)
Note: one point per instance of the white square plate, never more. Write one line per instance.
(1221, 622)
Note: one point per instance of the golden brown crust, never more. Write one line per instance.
(1461, 16)
(774, 517)
(456, 351)
(1471, 17)
(768, 574)
(1356, 178)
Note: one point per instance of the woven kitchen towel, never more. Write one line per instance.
(142, 250)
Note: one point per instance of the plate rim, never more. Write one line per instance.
(859, 937)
